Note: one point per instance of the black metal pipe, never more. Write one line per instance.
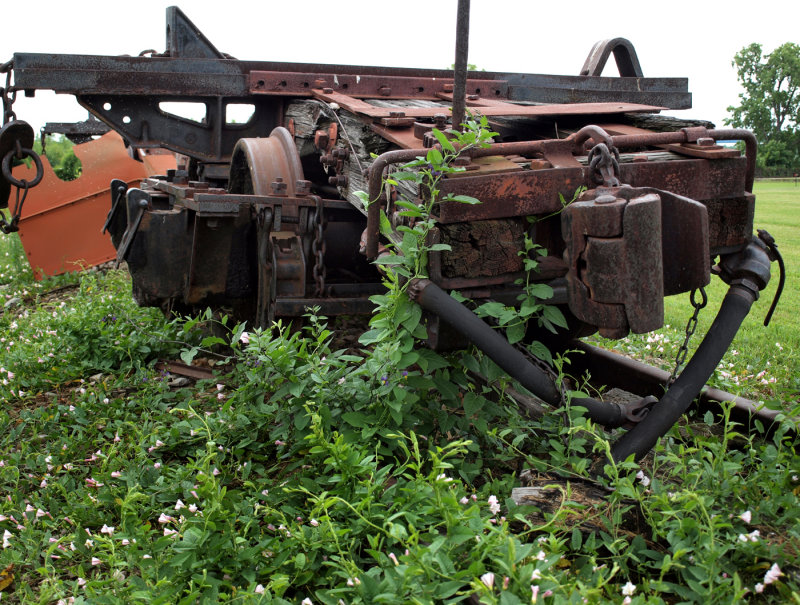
(641, 438)
(432, 298)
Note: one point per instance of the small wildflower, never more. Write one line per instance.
(157, 465)
(629, 589)
(106, 400)
(534, 592)
(192, 508)
(464, 500)
(245, 338)
(353, 581)
(125, 542)
(165, 518)
(393, 557)
(746, 516)
(340, 381)
(759, 588)
(443, 477)
(179, 504)
(169, 532)
(278, 442)
(536, 575)
(96, 561)
(773, 573)
(643, 479)
(107, 529)
(314, 523)
(494, 505)
(7, 535)
(541, 556)
(306, 601)
(506, 581)
(488, 579)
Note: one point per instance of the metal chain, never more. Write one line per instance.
(604, 165)
(691, 326)
(8, 95)
(318, 248)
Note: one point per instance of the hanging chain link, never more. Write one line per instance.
(318, 248)
(691, 326)
(8, 95)
(604, 165)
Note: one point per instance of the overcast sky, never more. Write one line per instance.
(695, 39)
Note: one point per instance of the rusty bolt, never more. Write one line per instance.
(440, 120)
(327, 91)
(302, 187)
(341, 153)
(278, 186)
(605, 198)
(384, 91)
(339, 180)
(706, 142)
(321, 139)
(327, 160)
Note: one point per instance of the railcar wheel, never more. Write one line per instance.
(265, 166)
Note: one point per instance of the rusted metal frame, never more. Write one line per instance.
(605, 366)
(141, 121)
(691, 135)
(359, 86)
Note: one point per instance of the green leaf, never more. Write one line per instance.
(443, 140)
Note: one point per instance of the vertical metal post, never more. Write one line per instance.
(460, 71)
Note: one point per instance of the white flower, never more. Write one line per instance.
(759, 587)
(353, 581)
(773, 573)
(746, 516)
(96, 561)
(7, 535)
(314, 522)
(306, 601)
(165, 518)
(107, 529)
(488, 579)
(179, 504)
(245, 338)
(494, 505)
(536, 575)
(534, 592)
(259, 589)
(629, 589)
(464, 500)
(643, 479)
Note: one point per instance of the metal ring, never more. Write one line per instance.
(704, 300)
(23, 183)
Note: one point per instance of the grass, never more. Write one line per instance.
(299, 474)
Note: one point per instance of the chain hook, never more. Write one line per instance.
(318, 248)
(604, 165)
(691, 327)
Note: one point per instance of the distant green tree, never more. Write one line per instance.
(62, 158)
(770, 103)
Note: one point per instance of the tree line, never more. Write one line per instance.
(769, 106)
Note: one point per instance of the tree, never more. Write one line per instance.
(770, 103)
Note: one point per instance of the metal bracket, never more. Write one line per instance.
(138, 201)
(624, 55)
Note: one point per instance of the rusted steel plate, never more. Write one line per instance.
(537, 191)
(61, 220)
(565, 109)
(364, 86)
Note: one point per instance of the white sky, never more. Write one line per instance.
(680, 38)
